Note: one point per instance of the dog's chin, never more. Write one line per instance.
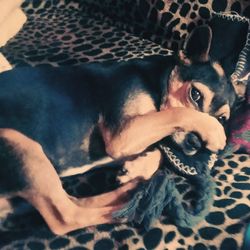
(188, 162)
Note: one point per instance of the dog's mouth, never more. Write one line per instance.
(187, 165)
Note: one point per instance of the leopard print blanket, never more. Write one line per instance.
(63, 32)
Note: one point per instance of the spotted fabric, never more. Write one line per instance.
(166, 22)
(63, 35)
(66, 33)
(222, 229)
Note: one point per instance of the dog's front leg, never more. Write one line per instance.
(137, 133)
(141, 131)
(141, 168)
(26, 171)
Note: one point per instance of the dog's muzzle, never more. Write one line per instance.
(187, 153)
(189, 143)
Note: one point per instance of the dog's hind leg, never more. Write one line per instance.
(26, 171)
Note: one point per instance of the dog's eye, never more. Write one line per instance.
(196, 96)
(222, 119)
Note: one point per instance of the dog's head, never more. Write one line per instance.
(199, 83)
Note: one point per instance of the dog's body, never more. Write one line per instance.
(76, 115)
(56, 108)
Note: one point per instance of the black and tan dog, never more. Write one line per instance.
(54, 120)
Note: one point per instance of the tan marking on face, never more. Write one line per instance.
(223, 111)
(179, 136)
(177, 95)
(138, 104)
(218, 69)
(207, 95)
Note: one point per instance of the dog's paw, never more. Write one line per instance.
(208, 127)
(129, 172)
(143, 167)
(213, 134)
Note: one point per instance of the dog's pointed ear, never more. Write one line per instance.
(196, 47)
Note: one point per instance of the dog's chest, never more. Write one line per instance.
(65, 147)
(138, 103)
(89, 146)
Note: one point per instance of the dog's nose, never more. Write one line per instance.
(193, 142)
